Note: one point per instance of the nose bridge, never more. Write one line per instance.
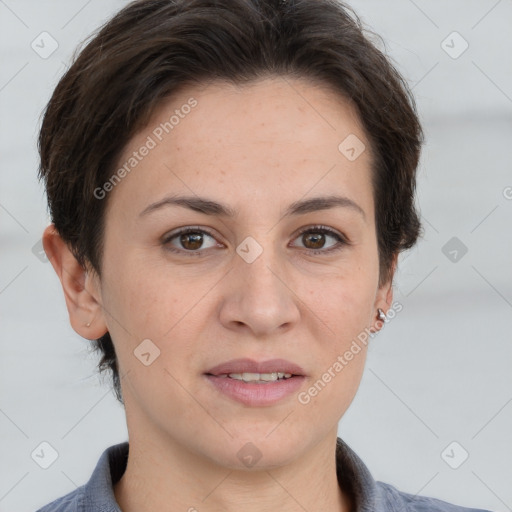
(259, 263)
(259, 296)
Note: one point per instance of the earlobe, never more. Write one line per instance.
(83, 304)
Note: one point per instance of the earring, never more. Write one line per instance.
(381, 315)
(88, 324)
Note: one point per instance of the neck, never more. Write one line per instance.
(166, 476)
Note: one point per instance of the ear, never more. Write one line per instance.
(81, 287)
(384, 297)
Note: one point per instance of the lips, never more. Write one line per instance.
(235, 380)
(251, 366)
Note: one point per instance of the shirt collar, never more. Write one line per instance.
(99, 490)
(353, 478)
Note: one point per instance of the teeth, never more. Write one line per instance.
(260, 377)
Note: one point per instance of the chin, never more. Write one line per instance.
(258, 451)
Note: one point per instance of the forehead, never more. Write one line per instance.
(267, 111)
(251, 140)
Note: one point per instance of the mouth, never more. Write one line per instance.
(258, 378)
(249, 370)
(256, 383)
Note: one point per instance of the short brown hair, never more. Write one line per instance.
(151, 48)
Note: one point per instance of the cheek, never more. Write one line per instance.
(133, 298)
(344, 308)
(149, 301)
(344, 300)
(147, 306)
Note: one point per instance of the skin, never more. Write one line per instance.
(256, 148)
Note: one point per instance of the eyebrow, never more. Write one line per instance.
(210, 207)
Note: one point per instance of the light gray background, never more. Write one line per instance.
(438, 373)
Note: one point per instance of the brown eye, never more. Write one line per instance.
(189, 241)
(315, 239)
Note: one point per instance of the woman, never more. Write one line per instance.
(230, 185)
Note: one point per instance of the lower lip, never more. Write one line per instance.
(257, 394)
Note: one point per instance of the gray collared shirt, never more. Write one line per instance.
(97, 495)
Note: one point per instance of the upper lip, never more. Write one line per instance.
(250, 366)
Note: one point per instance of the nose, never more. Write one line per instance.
(259, 299)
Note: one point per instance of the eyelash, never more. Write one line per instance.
(342, 241)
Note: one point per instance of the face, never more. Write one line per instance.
(264, 271)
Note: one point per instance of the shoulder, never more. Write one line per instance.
(393, 500)
(71, 502)
(98, 493)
